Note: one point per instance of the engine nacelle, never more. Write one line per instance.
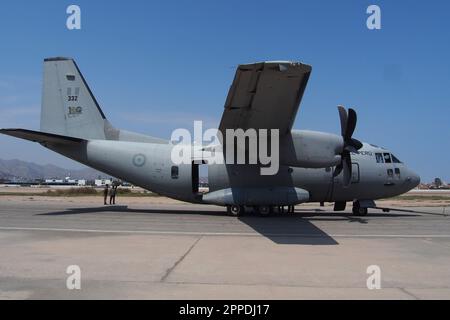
(311, 149)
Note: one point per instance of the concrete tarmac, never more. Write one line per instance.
(184, 251)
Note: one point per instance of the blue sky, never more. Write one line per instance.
(157, 66)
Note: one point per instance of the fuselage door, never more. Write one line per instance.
(355, 172)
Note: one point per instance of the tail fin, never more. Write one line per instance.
(68, 106)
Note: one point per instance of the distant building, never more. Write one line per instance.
(54, 181)
(78, 182)
(102, 182)
(67, 182)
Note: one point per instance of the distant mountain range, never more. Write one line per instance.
(22, 170)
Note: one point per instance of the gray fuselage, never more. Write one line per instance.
(149, 166)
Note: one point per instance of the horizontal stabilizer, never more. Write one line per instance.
(41, 137)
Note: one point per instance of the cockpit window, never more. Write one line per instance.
(387, 158)
(395, 159)
(379, 157)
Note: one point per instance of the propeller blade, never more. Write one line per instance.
(353, 145)
(350, 148)
(337, 170)
(348, 125)
(351, 124)
(343, 117)
(347, 168)
(356, 144)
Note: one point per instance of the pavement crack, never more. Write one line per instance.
(169, 271)
(409, 293)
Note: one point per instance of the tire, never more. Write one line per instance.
(235, 210)
(358, 210)
(265, 211)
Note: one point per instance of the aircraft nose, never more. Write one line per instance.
(414, 179)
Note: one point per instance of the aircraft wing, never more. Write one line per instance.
(265, 95)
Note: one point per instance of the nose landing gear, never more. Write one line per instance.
(358, 210)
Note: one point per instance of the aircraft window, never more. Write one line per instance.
(397, 171)
(387, 158)
(379, 157)
(70, 77)
(395, 159)
(174, 172)
(390, 173)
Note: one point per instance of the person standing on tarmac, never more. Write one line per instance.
(112, 195)
(105, 193)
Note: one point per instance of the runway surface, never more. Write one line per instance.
(186, 251)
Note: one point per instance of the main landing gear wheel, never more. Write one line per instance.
(358, 210)
(264, 211)
(235, 210)
(289, 209)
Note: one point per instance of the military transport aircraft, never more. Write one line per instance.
(313, 166)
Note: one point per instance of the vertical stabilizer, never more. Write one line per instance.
(68, 106)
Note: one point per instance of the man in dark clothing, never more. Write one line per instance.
(105, 194)
(112, 195)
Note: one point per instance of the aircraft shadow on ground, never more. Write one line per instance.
(284, 228)
(288, 229)
(125, 209)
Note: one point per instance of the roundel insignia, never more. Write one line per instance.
(139, 160)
